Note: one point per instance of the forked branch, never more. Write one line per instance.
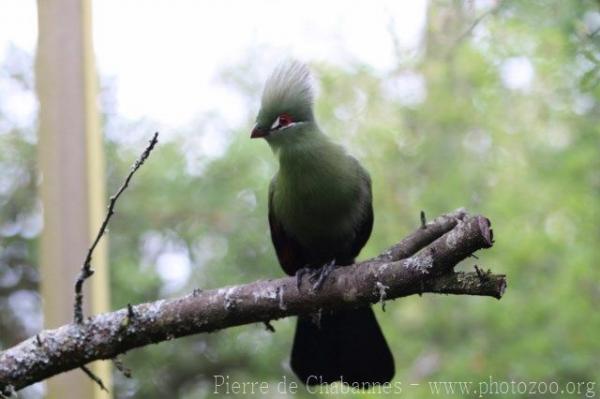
(422, 263)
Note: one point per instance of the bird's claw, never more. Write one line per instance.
(321, 274)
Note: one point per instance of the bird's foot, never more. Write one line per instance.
(299, 274)
(321, 274)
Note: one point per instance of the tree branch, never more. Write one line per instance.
(421, 263)
(493, 10)
(86, 268)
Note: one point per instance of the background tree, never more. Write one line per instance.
(503, 120)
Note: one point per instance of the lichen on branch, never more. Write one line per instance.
(421, 263)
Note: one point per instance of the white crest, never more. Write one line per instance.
(289, 86)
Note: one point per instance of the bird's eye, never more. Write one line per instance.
(285, 119)
(282, 120)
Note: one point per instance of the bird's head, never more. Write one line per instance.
(286, 105)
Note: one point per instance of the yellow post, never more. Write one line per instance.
(73, 181)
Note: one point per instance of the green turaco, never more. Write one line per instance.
(320, 215)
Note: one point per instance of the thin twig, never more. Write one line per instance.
(483, 276)
(86, 269)
(130, 313)
(268, 326)
(473, 25)
(94, 377)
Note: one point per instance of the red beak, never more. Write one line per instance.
(258, 132)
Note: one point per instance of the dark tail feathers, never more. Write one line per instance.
(346, 344)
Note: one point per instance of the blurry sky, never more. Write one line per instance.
(165, 56)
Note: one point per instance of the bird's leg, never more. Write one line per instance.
(299, 274)
(322, 273)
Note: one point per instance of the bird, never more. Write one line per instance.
(320, 215)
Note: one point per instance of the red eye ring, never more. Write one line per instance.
(285, 119)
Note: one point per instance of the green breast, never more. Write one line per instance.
(319, 195)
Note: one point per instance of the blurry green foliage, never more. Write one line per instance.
(504, 121)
